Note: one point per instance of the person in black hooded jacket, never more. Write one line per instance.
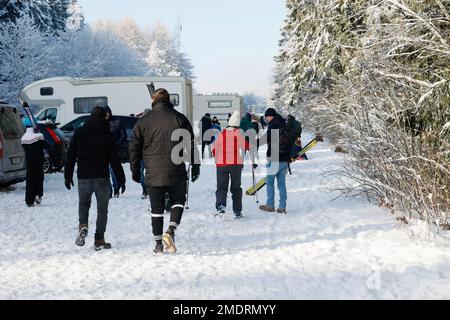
(152, 142)
(94, 150)
(121, 140)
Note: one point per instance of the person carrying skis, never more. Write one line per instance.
(33, 143)
(229, 151)
(277, 166)
(152, 142)
(94, 150)
(120, 139)
(204, 125)
(294, 129)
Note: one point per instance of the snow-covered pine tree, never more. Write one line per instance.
(374, 75)
(95, 53)
(50, 16)
(24, 57)
(75, 20)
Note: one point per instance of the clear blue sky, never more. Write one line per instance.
(230, 42)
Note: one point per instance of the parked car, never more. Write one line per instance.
(128, 122)
(12, 155)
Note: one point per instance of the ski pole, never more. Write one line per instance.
(254, 185)
(187, 189)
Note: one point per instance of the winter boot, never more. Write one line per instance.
(238, 215)
(159, 249)
(266, 208)
(281, 210)
(169, 241)
(83, 233)
(220, 210)
(116, 193)
(101, 245)
(38, 200)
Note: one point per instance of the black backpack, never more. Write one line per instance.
(286, 142)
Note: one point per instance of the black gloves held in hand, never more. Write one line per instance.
(195, 172)
(137, 177)
(69, 183)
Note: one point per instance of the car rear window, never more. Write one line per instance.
(10, 125)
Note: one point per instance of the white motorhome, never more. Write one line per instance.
(65, 99)
(218, 105)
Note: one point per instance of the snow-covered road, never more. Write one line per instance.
(322, 249)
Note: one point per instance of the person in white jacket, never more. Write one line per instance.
(34, 144)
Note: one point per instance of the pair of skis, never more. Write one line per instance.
(253, 191)
(30, 116)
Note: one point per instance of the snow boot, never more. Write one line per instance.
(116, 193)
(169, 241)
(266, 208)
(220, 211)
(102, 245)
(83, 233)
(238, 215)
(38, 200)
(159, 249)
(281, 210)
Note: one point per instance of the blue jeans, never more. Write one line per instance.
(115, 183)
(279, 171)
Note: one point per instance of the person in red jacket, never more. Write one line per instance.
(229, 151)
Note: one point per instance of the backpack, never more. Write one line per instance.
(286, 142)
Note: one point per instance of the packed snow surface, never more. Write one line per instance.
(322, 249)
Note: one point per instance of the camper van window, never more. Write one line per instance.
(46, 91)
(175, 99)
(48, 114)
(220, 104)
(85, 105)
(51, 114)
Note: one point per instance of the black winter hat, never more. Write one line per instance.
(99, 111)
(270, 113)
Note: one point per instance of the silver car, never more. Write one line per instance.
(12, 155)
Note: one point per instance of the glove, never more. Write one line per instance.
(137, 177)
(123, 188)
(69, 183)
(195, 172)
(255, 166)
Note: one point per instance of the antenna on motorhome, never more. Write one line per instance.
(151, 89)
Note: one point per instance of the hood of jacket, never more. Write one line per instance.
(163, 105)
(98, 124)
(277, 122)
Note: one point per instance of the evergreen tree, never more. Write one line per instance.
(49, 16)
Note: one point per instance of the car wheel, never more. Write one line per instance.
(47, 166)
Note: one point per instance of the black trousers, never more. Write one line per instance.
(177, 194)
(102, 190)
(34, 183)
(224, 174)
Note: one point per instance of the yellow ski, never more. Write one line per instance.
(262, 183)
